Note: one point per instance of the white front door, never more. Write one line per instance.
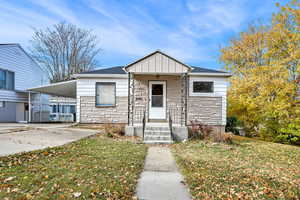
(157, 99)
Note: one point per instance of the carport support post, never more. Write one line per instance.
(40, 108)
(29, 107)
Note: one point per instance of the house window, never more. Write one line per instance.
(7, 80)
(2, 104)
(2, 79)
(105, 94)
(72, 109)
(203, 87)
(10, 82)
(54, 108)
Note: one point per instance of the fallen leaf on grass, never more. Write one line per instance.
(182, 182)
(77, 194)
(9, 179)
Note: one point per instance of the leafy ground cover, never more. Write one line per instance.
(249, 169)
(92, 168)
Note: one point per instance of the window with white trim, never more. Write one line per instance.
(7, 80)
(203, 87)
(105, 94)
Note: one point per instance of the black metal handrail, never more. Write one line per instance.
(171, 126)
(138, 114)
(176, 114)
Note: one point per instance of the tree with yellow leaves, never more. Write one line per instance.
(265, 63)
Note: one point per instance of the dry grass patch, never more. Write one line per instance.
(250, 169)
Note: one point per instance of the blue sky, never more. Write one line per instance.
(190, 30)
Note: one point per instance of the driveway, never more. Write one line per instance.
(39, 136)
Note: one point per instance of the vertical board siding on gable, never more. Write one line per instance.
(220, 90)
(158, 63)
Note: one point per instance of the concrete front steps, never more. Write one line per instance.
(157, 134)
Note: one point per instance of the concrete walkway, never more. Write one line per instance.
(161, 179)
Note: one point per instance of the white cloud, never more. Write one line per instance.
(58, 8)
(24, 15)
(118, 39)
(17, 22)
(208, 18)
(132, 31)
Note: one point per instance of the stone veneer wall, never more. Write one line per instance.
(141, 83)
(205, 109)
(89, 113)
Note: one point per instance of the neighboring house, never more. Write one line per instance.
(18, 72)
(156, 89)
(62, 109)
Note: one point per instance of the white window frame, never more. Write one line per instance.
(202, 93)
(196, 81)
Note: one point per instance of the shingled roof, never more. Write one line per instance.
(205, 70)
(119, 70)
(111, 70)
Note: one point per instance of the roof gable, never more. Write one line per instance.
(157, 62)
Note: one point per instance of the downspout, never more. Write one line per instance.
(29, 107)
(186, 96)
(133, 101)
(128, 98)
(40, 107)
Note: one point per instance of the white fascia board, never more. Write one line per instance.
(210, 74)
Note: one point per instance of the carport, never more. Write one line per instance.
(66, 89)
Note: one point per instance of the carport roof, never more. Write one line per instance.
(64, 89)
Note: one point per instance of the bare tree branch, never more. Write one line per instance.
(64, 50)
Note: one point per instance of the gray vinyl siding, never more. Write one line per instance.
(27, 73)
(8, 112)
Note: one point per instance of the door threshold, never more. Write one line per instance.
(157, 120)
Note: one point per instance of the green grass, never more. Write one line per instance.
(250, 169)
(96, 168)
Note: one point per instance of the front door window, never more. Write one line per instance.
(157, 95)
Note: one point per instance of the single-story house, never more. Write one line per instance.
(154, 96)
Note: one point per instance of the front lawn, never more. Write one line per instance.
(92, 168)
(250, 169)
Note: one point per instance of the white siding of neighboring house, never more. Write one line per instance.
(87, 87)
(27, 73)
(12, 96)
(220, 90)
